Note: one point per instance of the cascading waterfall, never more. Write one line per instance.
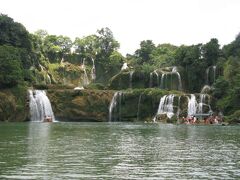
(155, 72)
(130, 79)
(93, 70)
(85, 76)
(192, 105)
(201, 103)
(40, 106)
(209, 80)
(165, 76)
(48, 80)
(178, 110)
(113, 104)
(174, 70)
(124, 66)
(162, 81)
(205, 89)
(166, 105)
(214, 73)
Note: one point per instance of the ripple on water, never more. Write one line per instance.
(120, 151)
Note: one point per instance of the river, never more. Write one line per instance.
(118, 151)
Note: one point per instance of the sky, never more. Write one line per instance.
(163, 21)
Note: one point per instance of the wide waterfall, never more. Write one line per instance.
(40, 106)
(113, 105)
(166, 105)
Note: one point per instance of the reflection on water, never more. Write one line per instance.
(121, 151)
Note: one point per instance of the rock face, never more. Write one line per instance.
(14, 104)
(80, 105)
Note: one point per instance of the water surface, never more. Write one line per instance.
(118, 151)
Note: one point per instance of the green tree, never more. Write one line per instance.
(13, 33)
(10, 66)
(211, 52)
(144, 53)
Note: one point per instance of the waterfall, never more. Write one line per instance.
(113, 104)
(192, 105)
(201, 103)
(210, 81)
(93, 70)
(124, 66)
(155, 72)
(205, 89)
(130, 79)
(139, 103)
(166, 105)
(178, 110)
(174, 71)
(214, 73)
(85, 76)
(48, 80)
(151, 80)
(40, 106)
(162, 81)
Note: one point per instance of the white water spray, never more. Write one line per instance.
(40, 106)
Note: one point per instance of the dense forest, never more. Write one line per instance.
(34, 59)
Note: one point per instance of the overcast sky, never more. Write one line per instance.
(131, 21)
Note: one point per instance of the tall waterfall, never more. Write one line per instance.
(116, 99)
(93, 70)
(155, 72)
(192, 105)
(85, 76)
(211, 75)
(40, 106)
(130, 79)
(166, 105)
(201, 103)
(174, 70)
(214, 73)
(162, 81)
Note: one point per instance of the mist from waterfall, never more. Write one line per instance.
(40, 106)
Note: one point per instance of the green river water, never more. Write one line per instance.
(118, 151)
